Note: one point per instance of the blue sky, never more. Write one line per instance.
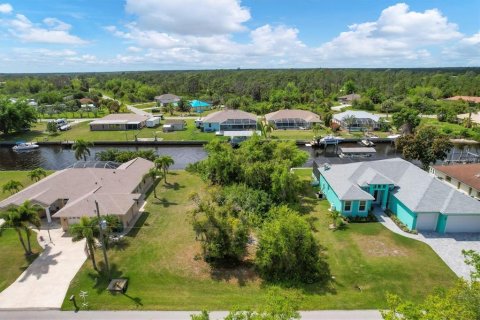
(114, 35)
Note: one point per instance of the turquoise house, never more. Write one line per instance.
(199, 106)
(417, 198)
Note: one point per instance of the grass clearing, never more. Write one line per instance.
(161, 259)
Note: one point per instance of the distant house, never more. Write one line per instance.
(229, 120)
(167, 98)
(174, 125)
(464, 177)
(349, 98)
(119, 121)
(464, 98)
(32, 103)
(199, 106)
(416, 198)
(70, 194)
(356, 120)
(292, 119)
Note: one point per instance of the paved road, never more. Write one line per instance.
(44, 283)
(447, 246)
(172, 315)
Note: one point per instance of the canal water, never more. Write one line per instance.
(58, 157)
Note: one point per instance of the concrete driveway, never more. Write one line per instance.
(447, 246)
(44, 283)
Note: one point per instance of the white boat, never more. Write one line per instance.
(356, 152)
(25, 146)
(394, 136)
(330, 139)
(367, 143)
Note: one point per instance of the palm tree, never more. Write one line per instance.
(334, 215)
(12, 186)
(153, 174)
(163, 163)
(13, 220)
(29, 216)
(37, 174)
(81, 148)
(86, 229)
(265, 128)
(316, 129)
(112, 223)
(349, 121)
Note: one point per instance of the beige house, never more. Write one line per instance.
(464, 177)
(70, 194)
(292, 119)
(119, 121)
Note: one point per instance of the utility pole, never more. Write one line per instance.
(102, 240)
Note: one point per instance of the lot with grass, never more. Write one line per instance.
(161, 260)
(452, 129)
(13, 261)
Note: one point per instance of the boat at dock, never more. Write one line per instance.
(327, 140)
(25, 146)
(361, 152)
(367, 143)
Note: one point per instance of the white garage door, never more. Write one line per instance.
(463, 224)
(426, 221)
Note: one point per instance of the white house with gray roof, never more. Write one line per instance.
(292, 119)
(357, 120)
(70, 194)
(419, 200)
(229, 120)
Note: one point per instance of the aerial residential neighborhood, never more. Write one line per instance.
(239, 159)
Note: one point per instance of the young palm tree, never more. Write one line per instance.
(86, 229)
(265, 128)
(81, 148)
(13, 220)
(334, 215)
(12, 186)
(112, 223)
(29, 216)
(153, 174)
(37, 174)
(349, 121)
(163, 163)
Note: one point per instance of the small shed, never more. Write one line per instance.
(174, 125)
(153, 122)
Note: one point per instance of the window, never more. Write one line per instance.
(347, 206)
(362, 205)
(458, 185)
(448, 179)
(469, 191)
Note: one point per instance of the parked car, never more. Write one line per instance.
(65, 127)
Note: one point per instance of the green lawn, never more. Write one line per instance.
(75, 115)
(13, 261)
(161, 260)
(452, 129)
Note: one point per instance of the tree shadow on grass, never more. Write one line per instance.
(138, 225)
(101, 279)
(241, 273)
(174, 186)
(164, 202)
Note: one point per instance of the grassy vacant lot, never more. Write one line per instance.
(82, 131)
(452, 129)
(13, 261)
(75, 115)
(161, 259)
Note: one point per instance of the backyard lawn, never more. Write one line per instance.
(13, 261)
(161, 260)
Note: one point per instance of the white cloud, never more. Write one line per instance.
(189, 17)
(466, 50)
(134, 49)
(6, 8)
(398, 34)
(53, 31)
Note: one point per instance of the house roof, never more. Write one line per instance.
(86, 101)
(121, 118)
(356, 114)
(229, 114)
(350, 97)
(415, 188)
(305, 115)
(465, 98)
(167, 98)
(114, 189)
(466, 173)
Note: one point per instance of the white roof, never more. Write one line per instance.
(414, 187)
(356, 114)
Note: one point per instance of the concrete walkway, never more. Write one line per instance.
(139, 111)
(44, 284)
(447, 246)
(175, 315)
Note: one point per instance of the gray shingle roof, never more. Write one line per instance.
(229, 114)
(414, 187)
(305, 115)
